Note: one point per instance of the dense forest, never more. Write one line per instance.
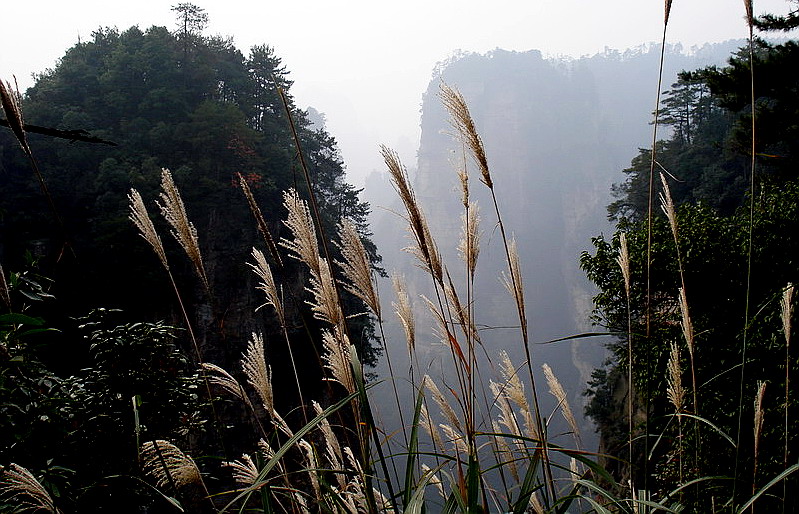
(704, 329)
(90, 315)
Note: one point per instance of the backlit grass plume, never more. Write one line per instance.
(141, 218)
(356, 267)
(174, 211)
(20, 488)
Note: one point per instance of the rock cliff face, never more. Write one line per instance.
(556, 133)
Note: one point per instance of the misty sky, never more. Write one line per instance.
(364, 63)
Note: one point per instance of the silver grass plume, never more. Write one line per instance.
(337, 359)
(312, 466)
(434, 479)
(141, 218)
(667, 205)
(164, 462)
(404, 311)
(5, 292)
(506, 417)
(623, 261)
(461, 120)
(325, 305)
(556, 389)
(441, 401)
(427, 423)
(785, 313)
(425, 249)
(258, 374)
(469, 244)
(687, 326)
(304, 247)
(267, 284)
(18, 487)
(758, 425)
(513, 282)
(334, 454)
(674, 389)
(514, 391)
(505, 450)
(11, 102)
(174, 211)
(455, 437)
(356, 266)
(221, 378)
(243, 470)
(263, 228)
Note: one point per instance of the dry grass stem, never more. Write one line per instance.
(11, 102)
(356, 267)
(304, 247)
(749, 16)
(674, 389)
(556, 389)
(263, 228)
(174, 211)
(141, 218)
(404, 311)
(243, 471)
(462, 122)
(19, 487)
(667, 12)
(267, 285)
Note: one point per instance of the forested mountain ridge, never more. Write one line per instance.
(199, 107)
(706, 314)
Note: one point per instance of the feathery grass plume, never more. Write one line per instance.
(164, 462)
(506, 417)
(325, 305)
(425, 250)
(461, 120)
(786, 312)
(667, 205)
(455, 437)
(427, 423)
(267, 285)
(221, 378)
(18, 487)
(513, 282)
(556, 389)
(356, 266)
(674, 389)
(259, 375)
(330, 438)
(404, 311)
(304, 246)
(687, 326)
(506, 458)
(243, 471)
(5, 292)
(337, 359)
(174, 211)
(141, 218)
(263, 228)
(623, 260)
(461, 312)
(441, 401)
(535, 504)
(514, 390)
(469, 244)
(11, 101)
(312, 466)
(758, 425)
(463, 179)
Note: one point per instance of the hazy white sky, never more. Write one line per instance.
(364, 63)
